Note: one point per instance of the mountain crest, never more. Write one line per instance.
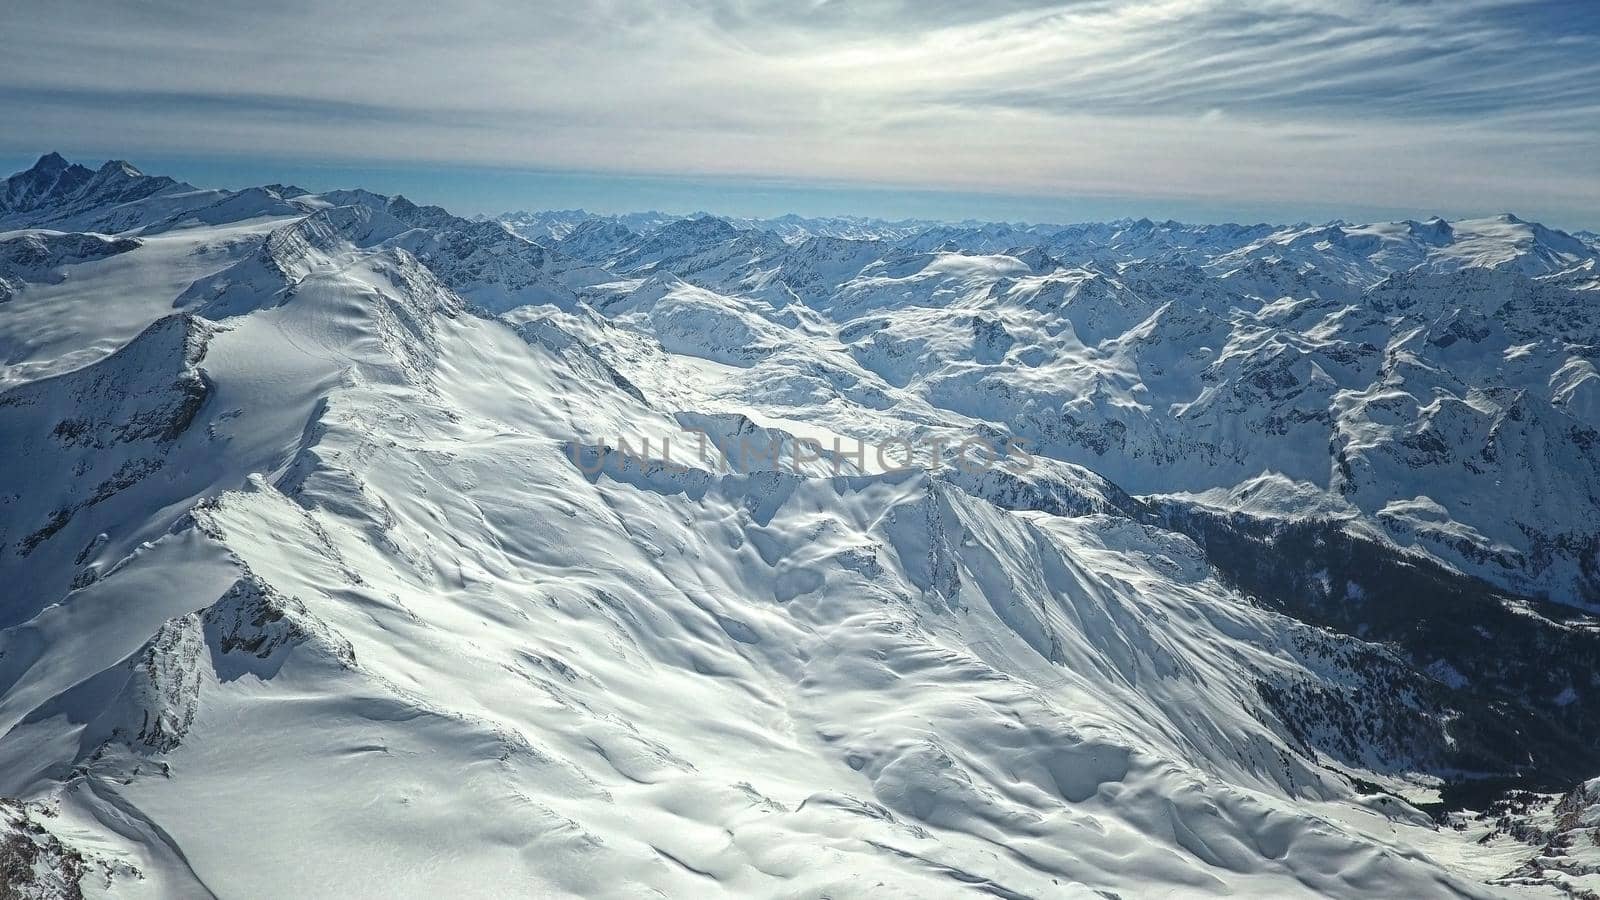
(51, 162)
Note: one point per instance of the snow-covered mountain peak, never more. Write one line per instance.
(609, 556)
(51, 179)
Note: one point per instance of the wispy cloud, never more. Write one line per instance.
(1465, 104)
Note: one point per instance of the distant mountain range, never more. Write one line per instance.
(325, 573)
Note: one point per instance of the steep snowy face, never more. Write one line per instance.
(815, 268)
(488, 264)
(338, 494)
(82, 439)
(596, 240)
(44, 256)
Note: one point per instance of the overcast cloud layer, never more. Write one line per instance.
(1467, 104)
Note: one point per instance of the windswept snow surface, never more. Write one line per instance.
(316, 583)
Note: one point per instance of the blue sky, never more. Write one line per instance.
(1194, 109)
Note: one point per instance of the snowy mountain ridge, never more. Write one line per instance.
(308, 591)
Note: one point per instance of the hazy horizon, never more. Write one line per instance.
(1204, 110)
(493, 192)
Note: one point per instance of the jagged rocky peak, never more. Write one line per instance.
(55, 190)
(52, 178)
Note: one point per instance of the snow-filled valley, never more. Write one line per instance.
(317, 577)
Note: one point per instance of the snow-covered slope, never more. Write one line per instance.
(319, 579)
